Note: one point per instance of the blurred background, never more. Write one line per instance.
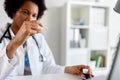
(57, 22)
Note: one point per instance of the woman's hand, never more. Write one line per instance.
(78, 70)
(27, 29)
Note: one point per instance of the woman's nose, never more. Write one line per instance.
(29, 18)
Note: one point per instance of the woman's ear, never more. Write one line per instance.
(13, 14)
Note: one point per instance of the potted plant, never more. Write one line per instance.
(92, 61)
(92, 58)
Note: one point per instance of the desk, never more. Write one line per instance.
(49, 77)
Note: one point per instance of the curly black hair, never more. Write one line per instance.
(11, 6)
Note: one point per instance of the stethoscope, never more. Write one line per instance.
(42, 58)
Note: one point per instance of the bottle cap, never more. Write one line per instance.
(85, 71)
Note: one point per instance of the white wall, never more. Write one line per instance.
(51, 31)
(51, 21)
(114, 24)
(3, 15)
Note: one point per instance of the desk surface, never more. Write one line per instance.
(48, 77)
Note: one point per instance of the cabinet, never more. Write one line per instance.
(85, 34)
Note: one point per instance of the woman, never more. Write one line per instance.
(23, 49)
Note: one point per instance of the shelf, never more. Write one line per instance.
(98, 52)
(94, 15)
(85, 32)
(89, 3)
(100, 69)
(78, 49)
(79, 26)
(99, 27)
(98, 49)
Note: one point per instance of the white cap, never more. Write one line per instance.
(85, 71)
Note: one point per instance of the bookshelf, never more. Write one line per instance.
(84, 34)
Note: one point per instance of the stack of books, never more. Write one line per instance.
(100, 61)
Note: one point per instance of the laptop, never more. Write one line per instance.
(115, 68)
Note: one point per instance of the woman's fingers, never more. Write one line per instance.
(35, 22)
(32, 32)
(87, 70)
(35, 25)
(27, 29)
(79, 70)
(32, 27)
(37, 28)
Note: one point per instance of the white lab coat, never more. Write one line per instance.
(16, 66)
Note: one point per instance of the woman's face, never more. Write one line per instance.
(27, 12)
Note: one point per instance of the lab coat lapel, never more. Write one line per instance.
(33, 57)
(21, 53)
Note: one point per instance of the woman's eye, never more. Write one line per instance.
(35, 16)
(25, 12)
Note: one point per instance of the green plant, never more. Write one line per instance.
(92, 58)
